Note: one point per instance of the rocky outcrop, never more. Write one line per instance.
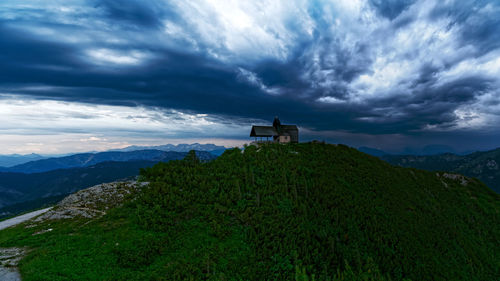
(91, 202)
(9, 258)
(457, 177)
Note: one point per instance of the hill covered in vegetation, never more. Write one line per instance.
(278, 212)
(484, 165)
(20, 192)
(23, 192)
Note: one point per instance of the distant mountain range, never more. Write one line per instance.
(89, 159)
(212, 148)
(17, 159)
(433, 149)
(483, 165)
(11, 160)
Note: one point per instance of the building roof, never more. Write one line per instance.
(289, 127)
(263, 131)
(277, 129)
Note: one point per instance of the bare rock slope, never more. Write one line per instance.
(9, 258)
(91, 202)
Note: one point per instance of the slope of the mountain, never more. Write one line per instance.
(437, 149)
(483, 165)
(17, 159)
(372, 151)
(277, 212)
(89, 159)
(32, 189)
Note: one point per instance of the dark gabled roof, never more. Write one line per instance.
(289, 127)
(263, 131)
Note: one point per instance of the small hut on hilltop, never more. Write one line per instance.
(278, 132)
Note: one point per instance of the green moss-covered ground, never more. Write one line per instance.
(278, 212)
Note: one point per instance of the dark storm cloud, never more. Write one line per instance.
(391, 8)
(428, 105)
(133, 12)
(19, 50)
(372, 69)
(478, 21)
(175, 80)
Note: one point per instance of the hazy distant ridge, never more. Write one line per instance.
(89, 159)
(183, 147)
(17, 159)
(483, 165)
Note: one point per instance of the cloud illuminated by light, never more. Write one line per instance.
(102, 56)
(48, 126)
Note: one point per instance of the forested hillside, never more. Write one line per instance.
(280, 212)
(21, 192)
(484, 165)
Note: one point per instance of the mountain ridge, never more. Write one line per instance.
(88, 159)
(483, 165)
(10, 160)
(183, 147)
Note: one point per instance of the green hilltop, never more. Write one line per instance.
(278, 212)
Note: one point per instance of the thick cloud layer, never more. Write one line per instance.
(363, 72)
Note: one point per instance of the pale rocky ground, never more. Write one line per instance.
(457, 177)
(463, 180)
(9, 258)
(92, 202)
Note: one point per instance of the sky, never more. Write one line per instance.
(85, 75)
